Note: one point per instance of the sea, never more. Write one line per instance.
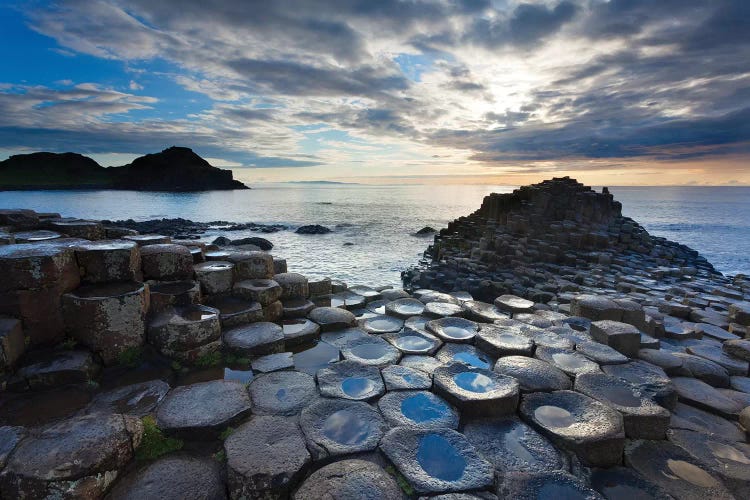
(374, 226)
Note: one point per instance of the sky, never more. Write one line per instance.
(612, 92)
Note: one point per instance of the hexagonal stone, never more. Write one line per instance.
(436, 461)
(215, 276)
(533, 374)
(588, 428)
(466, 354)
(348, 300)
(740, 383)
(380, 324)
(377, 306)
(498, 342)
(414, 342)
(713, 352)
(453, 329)
(687, 417)
(370, 294)
(341, 338)
(148, 239)
(293, 286)
(136, 399)
(622, 483)
(648, 378)
(177, 477)
(234, 311)
(671, 364)
(350, 479)
(340, 427)
(297, 308)
(405, 308)
(38, 265)
(109, 260)
(166, 262)
(513, 304)
(77, 457)
(482, 311)
(273, 312)
(372, 351)
(398, 378)
(421, 409)
(299, 331)
(417, 323)
(9, 438)
(595, 308)
(738, 348)
(623, 337)
(180, 332)
(273, 362)
(674, 470)
(166, 295)
(331, 318)
(702, 395)
(426, 296)
(426, 364)
(254, 339)
(476, 391)
(312, 359)
(643, 418)
(57, 368)
(34, 236)
(536, 485)
(601, 354)
(443, 310)
(282, 393)
(571, 362)
(251, 265)
(511, 445)
(350, 380)
(266, 457)
(263, 291)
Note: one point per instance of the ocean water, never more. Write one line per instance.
(373, 238)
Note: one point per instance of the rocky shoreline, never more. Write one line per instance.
(546, 346)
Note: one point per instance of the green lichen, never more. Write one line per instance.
(68, 344)
(401, 481)
(155, 444)
(220, 456)
(130, 357)
(176, 366)
(226, 433)
(208, 360)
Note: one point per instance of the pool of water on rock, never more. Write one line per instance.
(474, 382)
(357, 387)
(346, 427)
(420, 408)
(439, 458)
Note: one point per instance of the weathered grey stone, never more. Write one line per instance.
(482, 311)
(702, 395)
(370, 294)
(204, 408)
(643, 418)
(533, 374)
(498, 341)
(622, 483)
(601, 354)
(90, 230)
(648, 378)
(405, 308)
(282, 393)
(12, 344)
(137, 400)
(297, 308)
(476, 391)
(57, 368)
(524, 485)
(182, 329)
(348, 300)
(595, 308)
(166, 262)
(674, 470)
(109, 318)
(273, 312)
(340, 427)
(350, 380)
(264, 291)
(178, 477)
(331, 318)
(466, 354)
(9, 438)
(350, 479)
(421, 409)
(373, 351)
(293, 286)
(443, 310)
(317, 287)
(739, 312)
(273, 362)
(251, 265)
(621, 336)
(255, 339)
(299, 331)
(426, 364)
(215, 276)
(75, 458)
(143, 240)
(381, 324)
(453, 329)
(713, 352)
(513, 304)
(266, 457)
(511, 445)
(739, 348)
(690, 418)
(570, 362)
(410, 341)
(588, 428)
(427, 296)
(398, 378)
(437, 460)
(109, 260)
(164, 295)
(234, 311)
(714, 332)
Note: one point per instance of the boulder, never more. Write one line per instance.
(166, 262)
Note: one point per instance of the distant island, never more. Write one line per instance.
(176, 169)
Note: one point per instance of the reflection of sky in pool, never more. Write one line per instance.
(554, 416)
(422, 408)
(369, 351)
(413, 343)
(315, 358)
(471, 359)
(474, 382)
(439, 458)
(456, 332)
(346, 427)
(357, 387)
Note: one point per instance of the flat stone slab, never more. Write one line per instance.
(482, 311)
(601, 354)
(739, 348)
(405, 308)
(453, 329)
(318, 356)
(622, 483)
(668, 361)
(299, 331)
(339, 427)
(437, 461)
(348, 300)
(570, 362)
(417, 323)
(421, 409)
(690, 418)
(740, 383)
(254, 339)
(173, 477)
(203, 407)
(533, 374)
(674, 470)
(282, 393)
(513, 304)
(411, 341)
(428, 296)
(443, 310)
(350, 479)
(648, 378)
(266, 457)
(476, 391)
(714, 352)
(78, 456)
(137, 400)
(57, 368)
(400, 378)
(372, 351)
(537, 485)
(341, 338)
(623, 337)
(234, 311)
(350, 380)
(381, 324)
(498, 342)
(426, 364)
(273, 362)
(331, 318)
(643, 418)
(262, 290)
(466, 354)
(697, 393)
(588, 428)
(704, 369)
(511, 445)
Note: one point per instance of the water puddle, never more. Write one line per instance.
(314, 358)
(570, 362)
(474, 382)
(513, 442)
(690, 473)
(559, 491)
(346, 427)
(554, 416)
(369, 351)
(470, 359)
(294, 326)
(357, 387)
(727, 452)
(457, 333)
(383, 324)
(244, 376)
(622, 396)
(440, 459)
(421, 408)
(413, 343)
(624, 492)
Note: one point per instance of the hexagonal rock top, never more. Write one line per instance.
(350, 479)
(476, 391)
(166, 262)
(203, 408)
(533, 374)
(593, 431)
(372, 351)
(404, 308)
(282, 393)
(595, 308)
(266, 457)
(174, 476)
(397, 377)
(511, 445)
(551, 484)
(332, 318)
(254, 339)
(93, 448)
(340, 427)
(437, 461)
(453, 329)
(293, 286)
(421, 409)
(498, 341)
(702, 395)
(621, 336)
(513, 304)
(109, 260)
(136, 399)
(350, 380)
(648, 378)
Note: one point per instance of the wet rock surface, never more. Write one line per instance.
(350, 479)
